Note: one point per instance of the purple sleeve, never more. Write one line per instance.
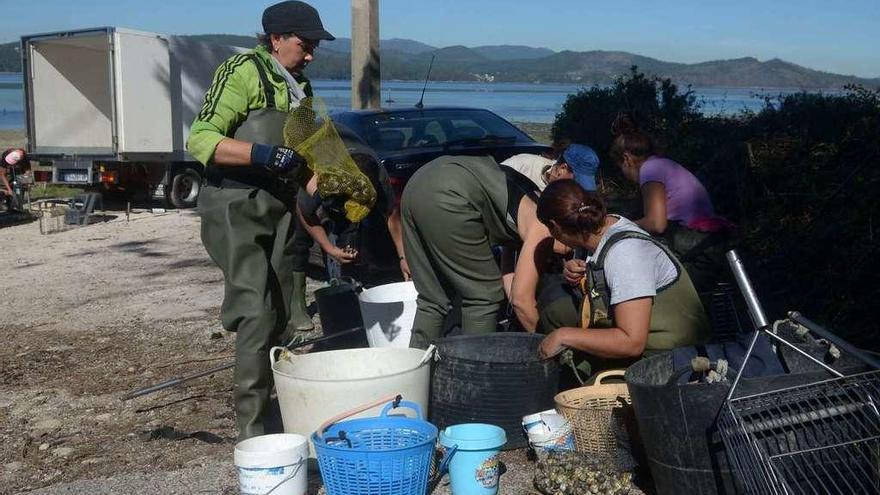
(652, 171)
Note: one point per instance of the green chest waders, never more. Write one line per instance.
(677, 315)
(265, 125)
(248, 229)
(454, 209)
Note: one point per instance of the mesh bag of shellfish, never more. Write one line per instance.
(310, 131)
(571, 473)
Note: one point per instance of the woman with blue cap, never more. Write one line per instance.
(582, 163)
(564, 161)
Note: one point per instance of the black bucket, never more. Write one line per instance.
(677, 422)
(340, 310)
(677, 427)
(493, 378)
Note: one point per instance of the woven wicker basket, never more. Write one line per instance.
(595, 412)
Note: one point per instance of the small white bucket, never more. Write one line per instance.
(388, 311)
(272, 464)
(549, 431)
(531, 420)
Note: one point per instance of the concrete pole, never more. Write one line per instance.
(365, 77)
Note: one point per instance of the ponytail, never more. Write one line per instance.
(573, 209)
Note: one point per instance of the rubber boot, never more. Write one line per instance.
(253, 382)
(299, 315)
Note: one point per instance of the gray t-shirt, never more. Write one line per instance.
(634, 268)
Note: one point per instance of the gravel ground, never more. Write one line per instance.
(92, 313)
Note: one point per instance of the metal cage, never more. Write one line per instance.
(814, 439)
(818, 438)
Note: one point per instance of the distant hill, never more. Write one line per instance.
(408, 60)
(405, 46)
(408, 47)
(512, 52)
(226, 39)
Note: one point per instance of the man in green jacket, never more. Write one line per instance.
(248, 202)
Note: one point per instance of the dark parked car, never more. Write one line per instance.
(406, 139)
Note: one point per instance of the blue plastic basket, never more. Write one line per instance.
(385, 455)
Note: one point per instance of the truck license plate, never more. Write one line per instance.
(74, 177)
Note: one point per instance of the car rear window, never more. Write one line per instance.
(394, 131)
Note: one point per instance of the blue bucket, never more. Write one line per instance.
(472, 451)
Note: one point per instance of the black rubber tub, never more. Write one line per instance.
(493, 378)
(677, 422)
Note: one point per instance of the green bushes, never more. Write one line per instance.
(813, 203)
(801, 178)
(656, 104)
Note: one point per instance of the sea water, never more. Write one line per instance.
(517, 102)
(11, 101)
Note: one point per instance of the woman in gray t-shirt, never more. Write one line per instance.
(640, 297)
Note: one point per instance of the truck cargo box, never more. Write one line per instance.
(102, 92)
(117, 102)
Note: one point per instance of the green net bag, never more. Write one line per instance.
(309, 130)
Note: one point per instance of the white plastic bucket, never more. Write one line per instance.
(549, 431)
(273, 464)
(388, 312)
(315, 387)
(531, 420)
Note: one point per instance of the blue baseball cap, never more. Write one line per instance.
(584, 163)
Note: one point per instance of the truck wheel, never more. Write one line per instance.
(185, 188)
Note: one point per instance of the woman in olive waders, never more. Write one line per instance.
(246, 204)
(455, 209)
(639, 297)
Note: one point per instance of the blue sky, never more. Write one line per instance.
(837, 36)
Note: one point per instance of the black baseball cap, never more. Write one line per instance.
(295, 17)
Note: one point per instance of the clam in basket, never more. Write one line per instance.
(600, 415)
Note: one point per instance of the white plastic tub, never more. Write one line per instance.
(388, 312)
(315, 387)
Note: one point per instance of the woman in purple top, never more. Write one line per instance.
(676, 205)
(670, 193)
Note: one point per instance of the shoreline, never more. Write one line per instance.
(575, 84)
(12, 138)
(16, 138)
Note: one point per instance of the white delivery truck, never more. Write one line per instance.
(113, 106)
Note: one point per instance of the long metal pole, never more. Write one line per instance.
(756, 313)
(184, 379)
